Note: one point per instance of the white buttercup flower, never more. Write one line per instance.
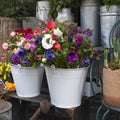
(58, 32)
(47, 41)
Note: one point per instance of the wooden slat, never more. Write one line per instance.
(36, 99)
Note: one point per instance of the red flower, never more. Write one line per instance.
(25, 31)
(37, 57)
(55, 36)
(51, 25)
(96, 53)
(57, 46)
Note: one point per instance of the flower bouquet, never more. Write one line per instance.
(65, 45)
(23, 52)
(66, 53)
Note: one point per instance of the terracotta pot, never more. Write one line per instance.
(111, 87)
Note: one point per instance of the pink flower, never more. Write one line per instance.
(33, 47)
(33, 40)
(3, 58)
(36, 32)
(27, 46)
(5, 46)
(12, 34)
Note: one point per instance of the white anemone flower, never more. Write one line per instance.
(47, 41)
(20, 43)
(58, 32)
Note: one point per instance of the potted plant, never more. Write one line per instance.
(111, 73)
(24, 55)
(60, 6)
(67, 53)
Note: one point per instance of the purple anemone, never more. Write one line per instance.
(72, 56)
(15, 59)
(79, 40)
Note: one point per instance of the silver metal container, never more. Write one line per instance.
(5, 110)
(107, 20)
(89, 18)
(64, 15)
(42, 10)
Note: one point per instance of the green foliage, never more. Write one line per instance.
(115, 63)
(17, 9)
(57, 5)
(111, 2)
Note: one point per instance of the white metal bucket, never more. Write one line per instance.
(66, 86)
(28, 80)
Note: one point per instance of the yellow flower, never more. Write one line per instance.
(10, 86)
(5, 64)
(4, 77)
(1, 70)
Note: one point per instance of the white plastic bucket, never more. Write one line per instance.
(28, 80)
(66, 86)
(42, 10)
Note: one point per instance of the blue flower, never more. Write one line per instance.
(26, 62)
(50, 55)
(70, 39)
(86, 61)
(21, 53)
(38, 40)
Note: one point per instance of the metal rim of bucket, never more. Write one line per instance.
(9, 106)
